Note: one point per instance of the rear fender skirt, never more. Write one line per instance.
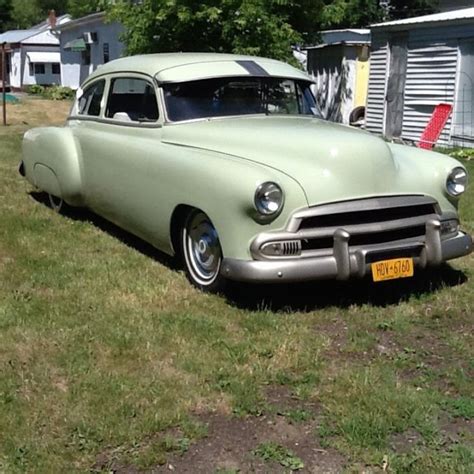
(45, 179)
(52, 162)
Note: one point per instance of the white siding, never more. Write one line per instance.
(73, 72)
(46, 79)
(16, 66)
(430, 79)
(374, 117)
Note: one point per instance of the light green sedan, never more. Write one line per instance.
(225, 161)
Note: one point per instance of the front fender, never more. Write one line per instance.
(223, 187)
(421, 171)
(52, 162)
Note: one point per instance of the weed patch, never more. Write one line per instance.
(279, 454)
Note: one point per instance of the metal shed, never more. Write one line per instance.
(340, 67)
(417, 63)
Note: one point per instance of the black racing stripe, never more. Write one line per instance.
(253, 68)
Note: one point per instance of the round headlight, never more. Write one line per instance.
(268, 199)
(456, 182)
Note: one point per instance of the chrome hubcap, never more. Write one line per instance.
(55, 202)
(203, 250)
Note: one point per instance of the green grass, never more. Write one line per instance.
(107, 351)
(274, 452)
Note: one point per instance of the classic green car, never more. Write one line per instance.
(225, 161)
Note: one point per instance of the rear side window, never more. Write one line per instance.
(89, 103)
(133, 100)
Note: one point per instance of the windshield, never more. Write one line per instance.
(238, 96)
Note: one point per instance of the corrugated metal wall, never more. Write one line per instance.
(432, 73)
(374, 118)
(430, 80)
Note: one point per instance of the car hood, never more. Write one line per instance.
(329, 161)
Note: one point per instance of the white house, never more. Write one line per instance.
(33, 55)
(85, 44)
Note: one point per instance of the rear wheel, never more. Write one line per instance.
(201, 252)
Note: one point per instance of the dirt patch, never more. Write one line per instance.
(458, 430)
(281, 399)
(230, 443)
(336, 332)
(404, 442)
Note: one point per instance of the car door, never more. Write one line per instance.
(120, 151)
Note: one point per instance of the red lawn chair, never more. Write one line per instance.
(435, 126)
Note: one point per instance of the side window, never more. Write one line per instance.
(89, 103)
(132, 100)
(39, 68)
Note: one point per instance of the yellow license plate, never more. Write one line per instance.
(392, 269)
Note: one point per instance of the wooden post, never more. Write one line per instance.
(4, 93)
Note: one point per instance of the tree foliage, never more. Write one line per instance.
(399, 9)
(351, 13)
(258, 27)
(363, 13)
(5, 14)
(78, 8)
(20, 14)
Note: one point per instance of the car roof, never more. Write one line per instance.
(180, 67)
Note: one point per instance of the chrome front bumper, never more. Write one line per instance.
(345, 263)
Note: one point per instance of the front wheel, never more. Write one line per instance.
(56, 203)
(201, 252)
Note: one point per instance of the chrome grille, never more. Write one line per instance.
(344, 219)
(367, 225)
(368, 221)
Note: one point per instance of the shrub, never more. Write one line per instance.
(35, 89)
(58, 93)
(466, 153)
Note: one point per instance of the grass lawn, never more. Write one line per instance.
(110, 360)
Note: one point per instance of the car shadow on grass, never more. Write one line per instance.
(305, 297)
(85, 215)
(297, 297)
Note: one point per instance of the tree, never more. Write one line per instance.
(258, 27)
(26, 13)
(5, 14)
(351, 13)
(399, 9)
(78, 8)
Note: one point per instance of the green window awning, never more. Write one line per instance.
(76, 45)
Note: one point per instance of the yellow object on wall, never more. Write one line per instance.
(362, 76)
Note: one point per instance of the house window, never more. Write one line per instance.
(86, 55)
(56, 68)
(133, 98)
(39, 69)
(106, 53)
(31, 68)
(9, 64)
